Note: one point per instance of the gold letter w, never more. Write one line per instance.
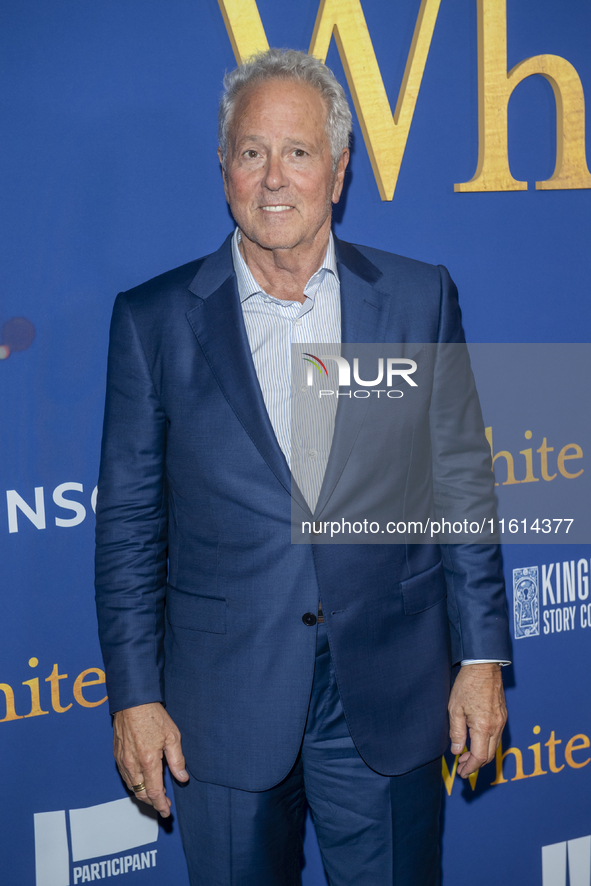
(385, 134)
(495, 86)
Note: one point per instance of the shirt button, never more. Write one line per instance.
(309, 619)
(312, 453)
(303, 388)
(298, 322)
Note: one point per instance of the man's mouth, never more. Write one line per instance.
(276, 208)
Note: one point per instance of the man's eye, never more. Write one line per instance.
(252, 154)
(299, 152)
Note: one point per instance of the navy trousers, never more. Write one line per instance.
(372, 830)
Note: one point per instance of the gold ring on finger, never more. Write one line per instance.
(137, 788)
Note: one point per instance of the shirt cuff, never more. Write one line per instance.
(468, 661)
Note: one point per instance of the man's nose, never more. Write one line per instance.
(275, 175)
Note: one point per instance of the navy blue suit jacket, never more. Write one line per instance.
(200, 593)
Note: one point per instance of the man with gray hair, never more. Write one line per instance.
(294, 675)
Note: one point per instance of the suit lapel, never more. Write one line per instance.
(365, 313)
(218, 324)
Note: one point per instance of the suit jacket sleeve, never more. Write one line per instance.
(477, 604)
(131, 531)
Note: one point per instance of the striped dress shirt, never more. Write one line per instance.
(280, 332)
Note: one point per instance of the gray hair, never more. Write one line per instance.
(288, 64)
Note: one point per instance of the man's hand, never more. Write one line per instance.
(477, 704)
(140, 736)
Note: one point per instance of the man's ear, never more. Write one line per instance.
(223, 173)
(340, 175)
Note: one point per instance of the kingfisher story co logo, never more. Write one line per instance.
(552, 598)
(396, 369)
(101, 839)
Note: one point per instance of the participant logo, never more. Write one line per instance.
(101, 838)
(554, 862)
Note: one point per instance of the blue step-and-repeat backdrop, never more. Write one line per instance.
(109, 177)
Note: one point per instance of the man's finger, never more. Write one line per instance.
(133, 782)
(147, 771)
(458, 729)
(458, 746)
(176, 760)
(479, 747)
(155, 792)
(493, 745)
(457, 732)
(156, 796)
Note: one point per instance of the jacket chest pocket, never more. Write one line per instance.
(424, 590)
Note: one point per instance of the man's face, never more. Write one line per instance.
(279, 179)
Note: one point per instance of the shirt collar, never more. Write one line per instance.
(247, 285)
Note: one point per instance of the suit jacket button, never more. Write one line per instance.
(309, 619)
